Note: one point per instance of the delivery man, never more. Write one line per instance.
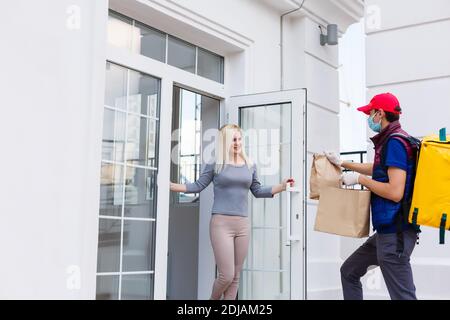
(392, 172)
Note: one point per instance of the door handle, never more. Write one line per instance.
(290, 237)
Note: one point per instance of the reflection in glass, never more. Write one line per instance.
(111, 189)
(190, 107)
(149, 42)
(267, 268)
(141, 142)
(107, 288)
(116, 86)
(210, 65)
(144, 93)
(181, 54)
(137, 287)
(267, 254)
(130, 137)
(140, 193)
(137, 245)
(119, 30)
(113, 143)
(259, 285)
(263, 119)
(108, 255)
(151, 143)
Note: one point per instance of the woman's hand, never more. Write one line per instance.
(286, 181)
(177, 187)
(282, 186)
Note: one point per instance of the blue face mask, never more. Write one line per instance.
(372, 125)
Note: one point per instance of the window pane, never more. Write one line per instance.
(140, 193)
(111, 189)
(107, 288)
(108, 255)
(189, 141)
(210, 65)
(119, 30)
(149, 42)
(141, 141)
(262, 285)
(116, 86)
(153, 128)
(137, 245)
(189, 172)
(190, 120)
(113, 144)
(181, 54)
(137, 287)
(268, 260)
(144, 94)
(133, 191)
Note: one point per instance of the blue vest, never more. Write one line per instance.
(385, 211)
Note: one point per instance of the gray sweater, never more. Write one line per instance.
(231, 187)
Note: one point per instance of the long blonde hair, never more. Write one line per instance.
(223, 146)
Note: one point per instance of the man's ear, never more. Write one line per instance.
(382, 114)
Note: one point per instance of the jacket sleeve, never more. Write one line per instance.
(203, 181)
(258, 190)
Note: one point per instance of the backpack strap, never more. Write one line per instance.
(414, 216)
(411, 144)
(442, 228)
(399, 232)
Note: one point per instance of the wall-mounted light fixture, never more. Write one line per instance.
(332, 35)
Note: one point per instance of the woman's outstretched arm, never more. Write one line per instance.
(260, 191)
(201, 183)
(282, 186)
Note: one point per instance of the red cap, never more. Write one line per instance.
(385, 101)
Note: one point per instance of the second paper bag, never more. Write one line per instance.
(344, 212)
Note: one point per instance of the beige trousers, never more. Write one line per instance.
(229, 238)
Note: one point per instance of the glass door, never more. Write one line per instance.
(273, 126)
(128, 190)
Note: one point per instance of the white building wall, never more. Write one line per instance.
(352, 87)
(315, 67)
(52, 64)
(408, 55)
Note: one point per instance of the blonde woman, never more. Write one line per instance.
(233, 175)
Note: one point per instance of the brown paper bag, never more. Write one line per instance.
(323, 173)
(344, 212)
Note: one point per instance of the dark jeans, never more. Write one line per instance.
(380, 250)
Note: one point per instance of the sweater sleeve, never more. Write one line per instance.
(258, 190)
(203, 181)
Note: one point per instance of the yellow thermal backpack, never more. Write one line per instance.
(430, 204)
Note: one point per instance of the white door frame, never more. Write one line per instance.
(296, 236)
